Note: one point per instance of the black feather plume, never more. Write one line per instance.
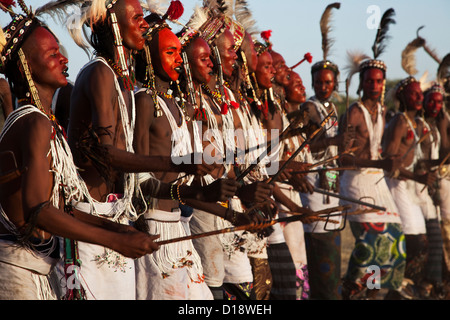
(382, 34)
(325, 28)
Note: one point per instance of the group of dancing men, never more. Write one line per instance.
(189, 164)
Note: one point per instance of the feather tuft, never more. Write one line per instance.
(431, 52)
(198, 18)
(354, 59)
(408, 56)
(5, 5)
(382, 36)
(57, 9)
(325, 28)
(244, 17)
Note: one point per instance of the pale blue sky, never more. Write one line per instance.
(295, 31)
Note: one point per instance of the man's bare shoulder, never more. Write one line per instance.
(355, 107)
(308, 105)
(144, 101)
(33, 129)
(94, 76)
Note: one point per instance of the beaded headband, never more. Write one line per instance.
(213, 28)
(435, 88)
(15, 33)
(260, 47)
(403, 84)
(325, 64)
(372, 63)
(237, 30)
(187, 35)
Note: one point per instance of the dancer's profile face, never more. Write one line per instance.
(226, 46)
(130, 18)
(200, 61)
(265, 71)
(47, 64)
(281, 69)
(170, 53)
(295, 91)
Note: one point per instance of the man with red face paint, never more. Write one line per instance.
(281, 79)
(270, 117)
(432, 285)
(38, 203)
(367, 118)
(162, 130)
(293, 232)
(433, 101)
(210, 128)
(323, 240)
(402, 138)
(101, 134)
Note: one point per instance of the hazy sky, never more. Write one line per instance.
(295, 31)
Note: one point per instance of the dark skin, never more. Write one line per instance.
(398, 139)
(265, 72)
(248, 47)
(202, 74)
(5, 98)
(324, 82)
(372, 85)
(29, 141)
(295, 93)
(153, 135)
(433, 104)
(97, 107)
(199, 56)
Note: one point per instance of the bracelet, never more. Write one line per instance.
(233, 218)
(178, 193)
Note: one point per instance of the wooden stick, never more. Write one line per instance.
(324, 169)
(248, 227)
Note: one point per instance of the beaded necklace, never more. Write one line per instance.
(127, 80)
(216, 96)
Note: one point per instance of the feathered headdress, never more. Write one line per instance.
(327, 42)
(354, 59)
(380, 43)
(325, 28)
(245, 17)
(378, 48)
(409, 59)
(11, 41)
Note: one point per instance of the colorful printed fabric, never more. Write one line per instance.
(324, 265)
(302, 283)
(262, 278)
(238, 291)
(377, 244)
